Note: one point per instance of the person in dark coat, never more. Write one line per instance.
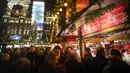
(16, 54)
(47, 51)
(22, 64)
(32, 57)
(6, 66)
(39, 59)
(73, 66)
(87, 60)
(59, 51)
(52, 65)
(32, 54)
(116, 64)
(100, 61)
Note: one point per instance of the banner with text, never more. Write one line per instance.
(108, 19)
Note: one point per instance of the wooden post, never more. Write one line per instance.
(81, 43)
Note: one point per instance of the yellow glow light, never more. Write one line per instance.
(65, 4)
(57, 13)
(60, 9)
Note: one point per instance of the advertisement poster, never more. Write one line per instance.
(38, 14)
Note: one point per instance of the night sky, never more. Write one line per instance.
(3, 4)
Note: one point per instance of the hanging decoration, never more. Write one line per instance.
(23, 3)
(17, 12)
(91, 15)
(109, 18)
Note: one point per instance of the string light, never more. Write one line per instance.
(60, 9)
(24, 3)
(57, 13)
(65, 4)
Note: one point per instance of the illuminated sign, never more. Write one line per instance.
(15, 37)
(108, 19)
(38, 14)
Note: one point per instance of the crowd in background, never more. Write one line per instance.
(64, 60)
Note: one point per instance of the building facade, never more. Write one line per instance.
(16, 20)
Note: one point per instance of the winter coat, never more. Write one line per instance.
(116, 66)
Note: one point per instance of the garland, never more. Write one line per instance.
(72, 28)
(91, 15)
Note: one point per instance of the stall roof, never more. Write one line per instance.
(81, 15)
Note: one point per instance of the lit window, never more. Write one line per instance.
(27, 32)
(20, 31)
(26, 21)
(24, 32)
(12, 31)
(21, 21)
(15, 30)
(11, 21)
(16, 21)
(8, 31)
(5, 20)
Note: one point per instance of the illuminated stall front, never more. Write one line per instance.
(110, 21)
(109, 27)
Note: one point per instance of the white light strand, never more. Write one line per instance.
(24, 3)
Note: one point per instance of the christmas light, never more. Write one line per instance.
(65, 4)
(60, 9)
(24, 3)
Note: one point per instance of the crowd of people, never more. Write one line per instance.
(59, 60)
